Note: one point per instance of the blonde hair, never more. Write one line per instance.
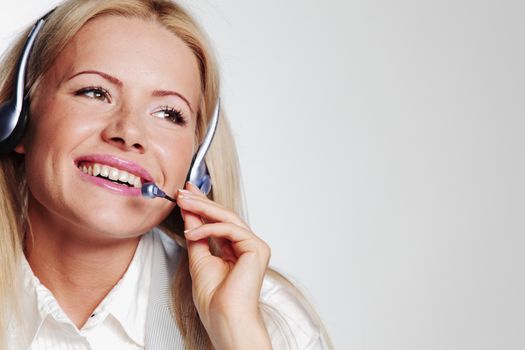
(222, 161)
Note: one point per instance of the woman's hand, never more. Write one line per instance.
(226, 288)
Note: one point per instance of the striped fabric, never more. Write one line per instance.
(161, 329)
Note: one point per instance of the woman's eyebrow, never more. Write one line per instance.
(161, 93)
(116, 81)
(106, 76)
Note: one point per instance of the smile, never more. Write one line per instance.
(113, 174)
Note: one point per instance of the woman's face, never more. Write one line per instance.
(120, 101)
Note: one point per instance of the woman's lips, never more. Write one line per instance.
(113, 173)
(110, 185)
(117, 163)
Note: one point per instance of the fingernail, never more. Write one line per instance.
(185, 194)
(186, 232)
(195, 187)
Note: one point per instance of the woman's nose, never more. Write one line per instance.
(126, 131)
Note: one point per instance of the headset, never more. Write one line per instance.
(14, 115)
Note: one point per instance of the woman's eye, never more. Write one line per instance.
(172, 115)
(97, 93)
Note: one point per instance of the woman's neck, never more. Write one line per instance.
(74, 267)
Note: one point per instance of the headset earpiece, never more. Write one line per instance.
(14, 113)
(199, 174)
(11, 136)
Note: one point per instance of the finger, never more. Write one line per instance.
(208, 209)
(225, 230)
(191, 220)
(242, 240)
(200, 195)
(194, 189)
(198, 249)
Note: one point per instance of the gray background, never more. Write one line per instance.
(381, 147)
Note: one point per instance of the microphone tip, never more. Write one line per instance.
(150, 190)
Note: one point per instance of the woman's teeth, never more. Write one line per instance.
(110, 173)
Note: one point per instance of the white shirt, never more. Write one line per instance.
(119, 322)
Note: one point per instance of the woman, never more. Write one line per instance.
(121, 93)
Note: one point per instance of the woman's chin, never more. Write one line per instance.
(117, 225)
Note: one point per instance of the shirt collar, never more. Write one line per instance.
(127, 302)
(33, 315)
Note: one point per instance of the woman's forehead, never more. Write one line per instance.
(136, 51)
